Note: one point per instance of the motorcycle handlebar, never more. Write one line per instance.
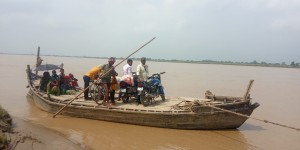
(156, 74)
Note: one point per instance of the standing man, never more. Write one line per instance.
(107, 71)
(127, 69)
(142, 70)
(91, 75)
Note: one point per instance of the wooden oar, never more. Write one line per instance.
(101, 77)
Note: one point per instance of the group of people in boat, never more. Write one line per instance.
(58, 84)
(107, 74)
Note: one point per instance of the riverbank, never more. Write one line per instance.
(254, 63)
(20, 134)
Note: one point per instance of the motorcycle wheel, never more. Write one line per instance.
(125, 98)
(163, 98)
(144, 99)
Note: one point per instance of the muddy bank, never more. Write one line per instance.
(5, 128)
(18, 134)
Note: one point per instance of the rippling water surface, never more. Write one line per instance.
(276, 89)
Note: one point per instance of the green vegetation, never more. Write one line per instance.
(293, 64)
(253, 63)
(5, 126)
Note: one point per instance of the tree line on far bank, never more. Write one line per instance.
(293, 64)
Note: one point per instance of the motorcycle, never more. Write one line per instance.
(152, 88)
(129, 87)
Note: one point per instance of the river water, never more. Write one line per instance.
(276, 89)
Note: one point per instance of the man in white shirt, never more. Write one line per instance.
(127, 69)
(142, 70)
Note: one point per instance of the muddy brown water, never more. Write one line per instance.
(276, 89)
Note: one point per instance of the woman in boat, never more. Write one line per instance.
(44, 81)
(53, 87)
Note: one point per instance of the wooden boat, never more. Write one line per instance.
(174, 112)
(210, 113)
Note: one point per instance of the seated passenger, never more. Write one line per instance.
(44, 81)
(63, 82)
(53, 87)
(54, 75)
(73, 82)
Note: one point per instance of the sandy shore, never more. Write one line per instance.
(27, 135)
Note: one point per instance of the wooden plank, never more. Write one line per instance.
(248, 89)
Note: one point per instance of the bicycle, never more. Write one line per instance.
(97, 92)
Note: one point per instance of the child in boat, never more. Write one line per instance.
(54, 75)
(113, 87)
(73, 82)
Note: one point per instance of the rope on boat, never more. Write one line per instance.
(265, 121)
(189, 106)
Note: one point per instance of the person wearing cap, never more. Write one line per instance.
(107, 71)
(91, 75)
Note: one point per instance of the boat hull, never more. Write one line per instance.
(202, 117)
(209, 120)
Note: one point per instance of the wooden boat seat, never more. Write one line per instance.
(36, 82)
(60, 98)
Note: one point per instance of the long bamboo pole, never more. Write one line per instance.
(101, 77)
(248, 89)
(37, 60)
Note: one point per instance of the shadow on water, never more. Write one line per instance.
(251, 127)
(235, 135)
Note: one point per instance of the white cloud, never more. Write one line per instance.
(182, 27)
(282, 4)
(290, 22)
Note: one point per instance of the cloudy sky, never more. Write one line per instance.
(222, 30)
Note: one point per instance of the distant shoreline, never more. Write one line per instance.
(253, 63)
